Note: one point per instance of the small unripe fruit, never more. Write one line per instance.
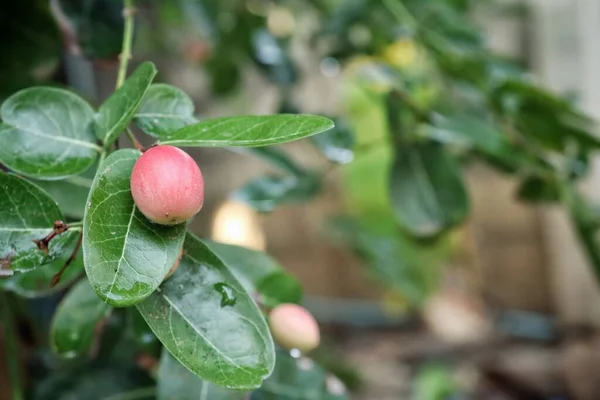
(293, 327)
(167, 185)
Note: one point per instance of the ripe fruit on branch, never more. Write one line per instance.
(167, 185)
(294, 327)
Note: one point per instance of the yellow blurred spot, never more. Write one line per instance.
(401, 54)
(236, 223)
(280, 22)
(394, 304)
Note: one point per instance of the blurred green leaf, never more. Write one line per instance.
(209, 323)
(71, 193)
(299, 379)
(538, 190)
(74, 325)
(427, 189)
(98, 25)
(337, 143)
(142, 334)
(175, 382)
(399, 262)
(275, 157)
(86, 381)
(466, 131)
(164, 110)
(32, 45)
(249, 131)
(269, 192)
(117, 112)
(434, 382)
(45, 133)
(126, 256)
(259, 273)
(272, 57)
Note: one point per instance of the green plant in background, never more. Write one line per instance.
(425, 99)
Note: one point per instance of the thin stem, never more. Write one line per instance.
(11, 347)
(134, 140)
(72, 257)
(125, 56)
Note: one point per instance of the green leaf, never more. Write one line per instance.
(142, 334)
(164, 110)
(249, 131)
(539, 190)
(205, 318)
(466, 131)
(74, 323)
(259, 273)
(45, 133)
(71, 193)
(299, 379)
(273, 156)
(126, 256)
(98, 26)
(175, 382)
(272, 57)
(337, 143)
(269, 192)
(27, 214)
(31, 58)
(80, 380)
(38, 283)
(427, 190)
(118, 110)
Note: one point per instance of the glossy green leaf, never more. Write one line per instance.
(269, 192)
(337, 143)
(46, 133)
(38, 283)
(126, 256)
(210, 324)
(71, 193)
(74, 323)
(299, 379)
(466, 131)
(249, 131)
(259, 273)
(98, 26)
(175, 382)
(427, 190)
(118, 110)
(164, 110)
(27, 214)
(277, 158)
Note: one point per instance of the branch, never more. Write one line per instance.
(58, 275)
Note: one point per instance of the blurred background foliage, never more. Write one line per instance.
(421, 98)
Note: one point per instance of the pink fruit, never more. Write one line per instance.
(167, 185)
(294, 327)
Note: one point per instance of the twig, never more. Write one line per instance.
(125, 56)
(11, 347)
(58, 275)
(58, 228)
(134, 140)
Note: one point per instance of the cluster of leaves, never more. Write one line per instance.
(205, 315)
(444, 101)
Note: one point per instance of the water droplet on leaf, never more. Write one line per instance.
(227, 294)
